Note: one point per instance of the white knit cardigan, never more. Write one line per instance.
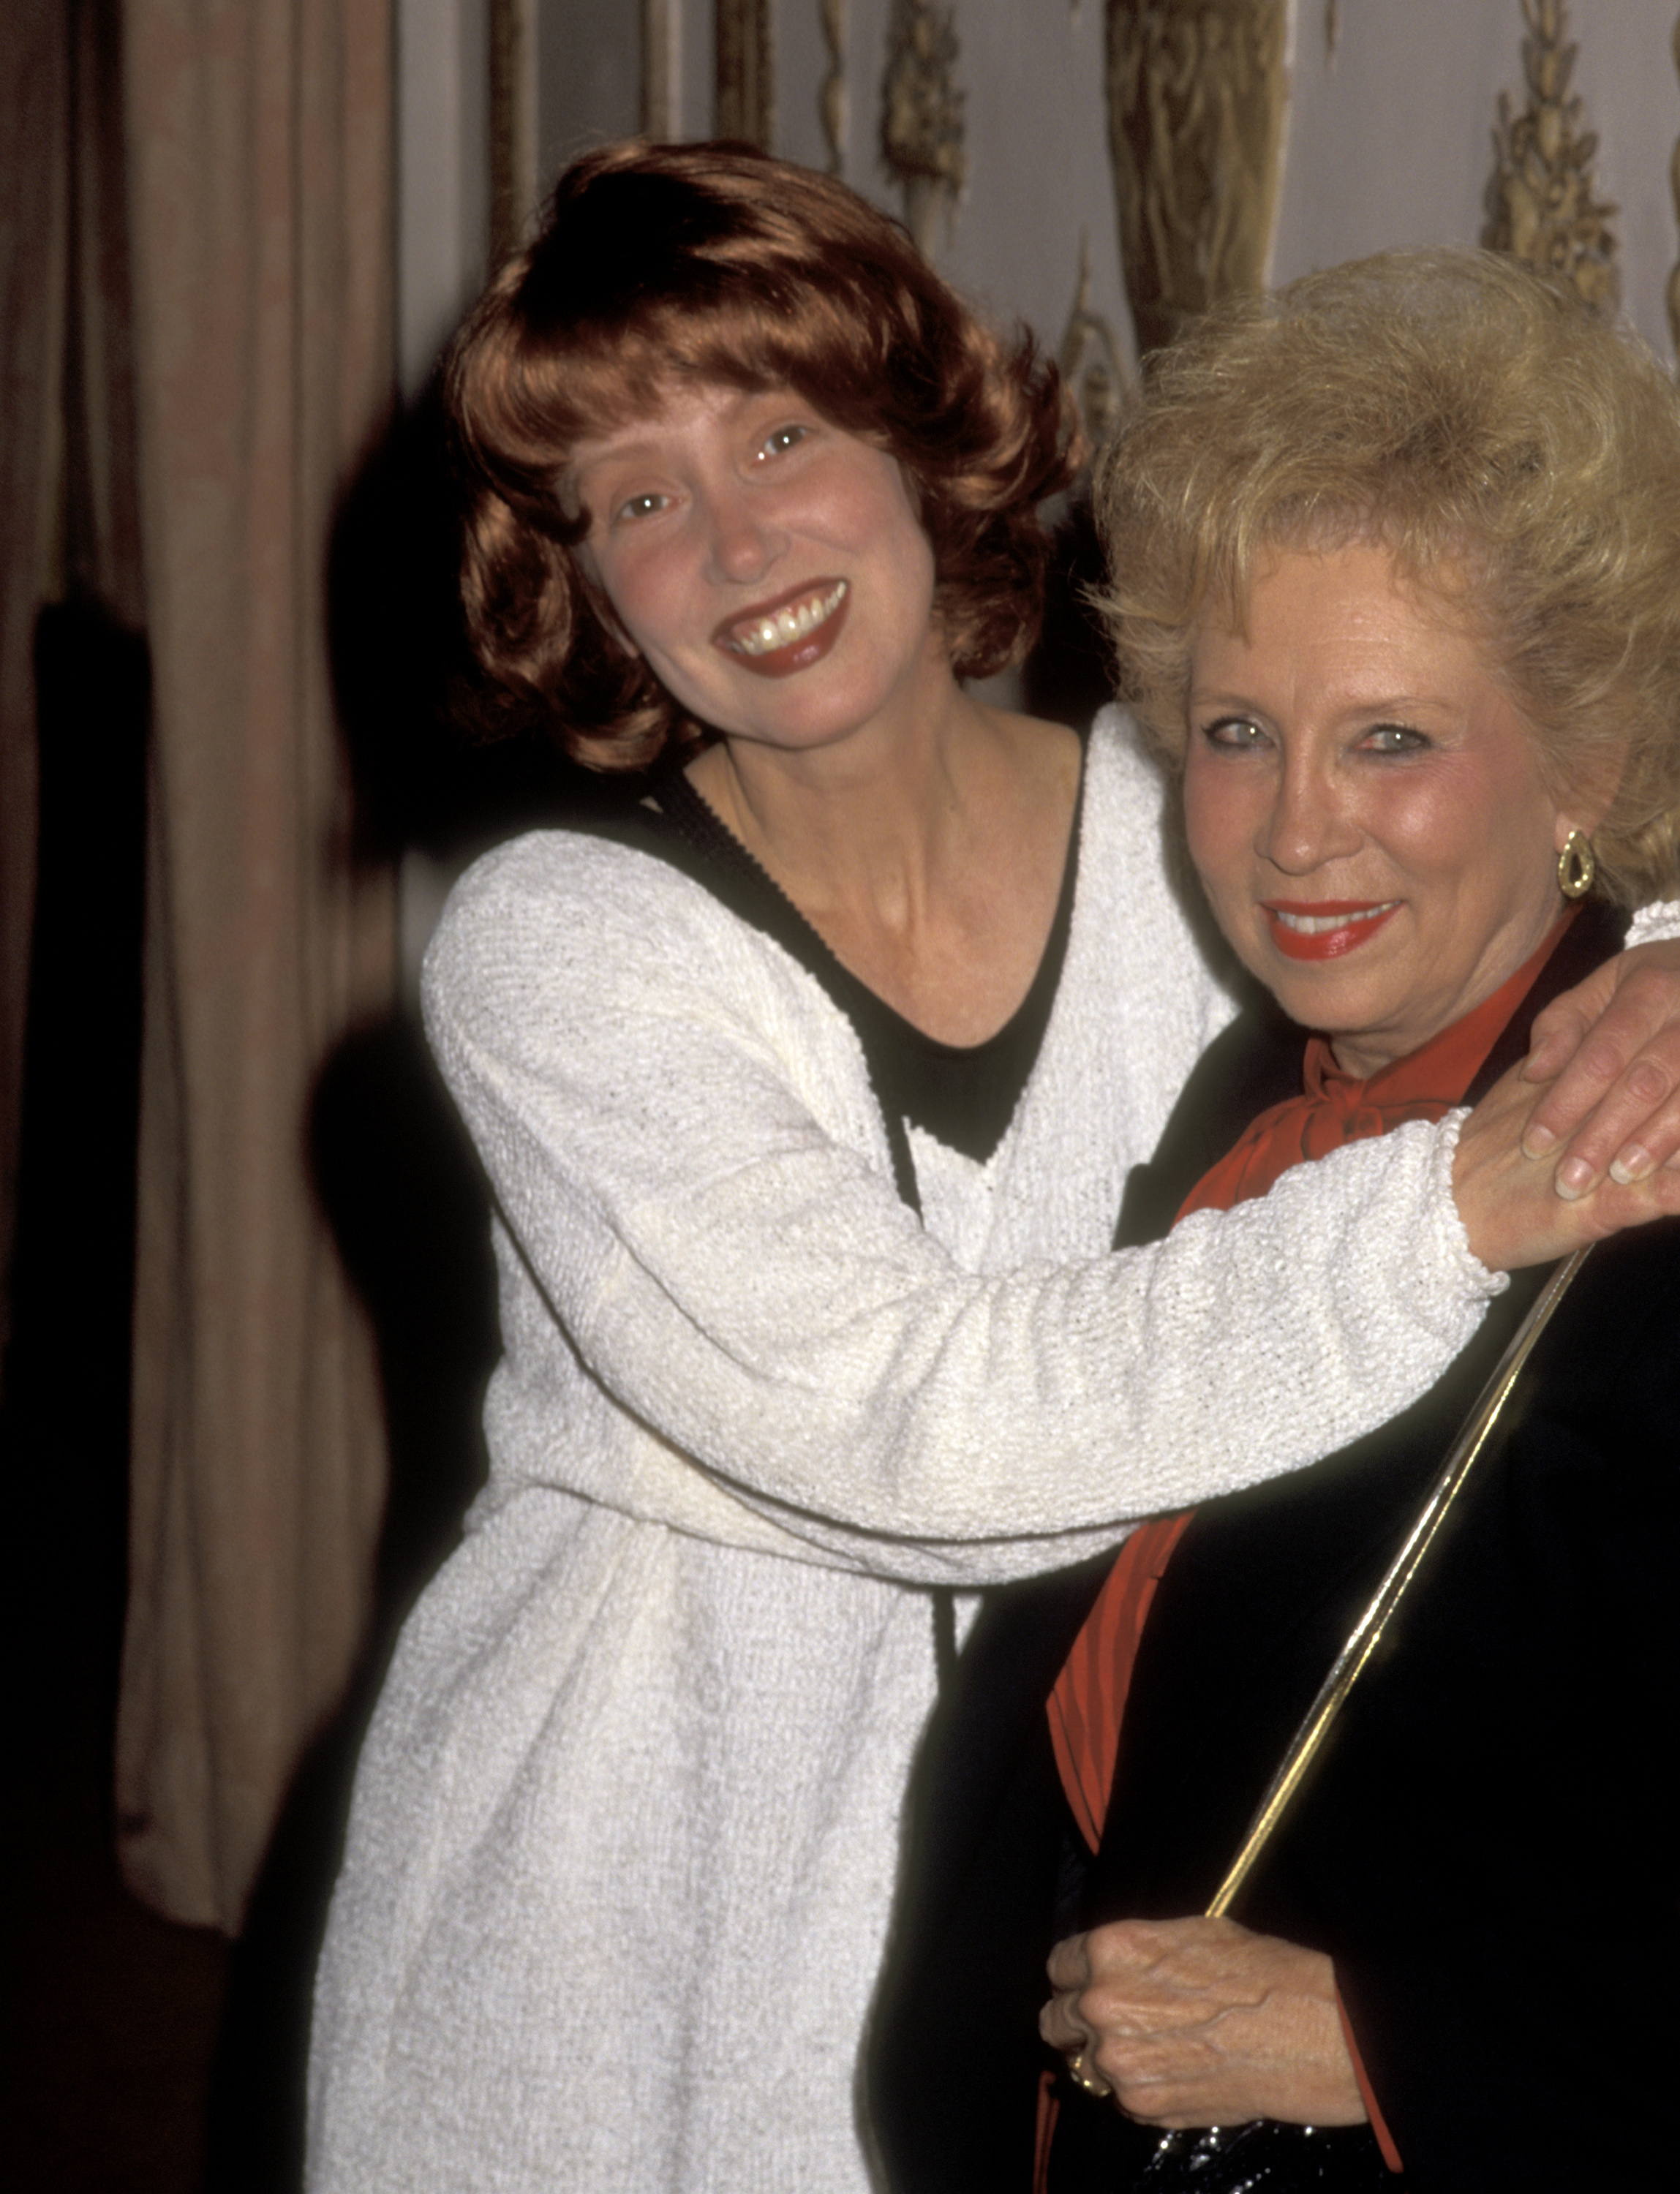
(623, 1842)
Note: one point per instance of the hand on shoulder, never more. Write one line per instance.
(1513, 1210)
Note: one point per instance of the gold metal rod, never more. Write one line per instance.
(1362, 1640)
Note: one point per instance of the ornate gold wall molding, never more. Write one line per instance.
(832, 103)
(513, 123)
(661, 69)
(1090, 358)
(746, 75)
(1196, 97)
(921, 136)
(1542, 202)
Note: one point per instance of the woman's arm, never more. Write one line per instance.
(683, 1147)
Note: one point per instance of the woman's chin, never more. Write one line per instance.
(1368, 1027)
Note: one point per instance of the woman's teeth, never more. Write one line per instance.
(1320, 925)
(783, 627)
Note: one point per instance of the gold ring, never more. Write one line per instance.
(1082, 2078)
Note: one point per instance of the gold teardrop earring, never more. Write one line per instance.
(1577, 865)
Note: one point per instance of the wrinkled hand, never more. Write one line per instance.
(1510, 1203)
(1199, 2022)
(1611, 1048)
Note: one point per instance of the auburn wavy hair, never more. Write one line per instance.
(1519, 457)
(659, 265)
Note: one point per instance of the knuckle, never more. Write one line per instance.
(1065, 1962)
(1648, 1080)
(1600, 1057)
(1656, 985)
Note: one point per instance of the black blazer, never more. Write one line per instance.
(1479, 1850)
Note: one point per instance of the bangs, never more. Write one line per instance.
(524, 418)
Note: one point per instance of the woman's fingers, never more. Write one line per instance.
(1198, 2022)
(1611, 1050)
(1510, 1203)
(1059, 2022)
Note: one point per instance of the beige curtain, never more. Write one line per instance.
(34, 163)
(260, 199)
(67, 517)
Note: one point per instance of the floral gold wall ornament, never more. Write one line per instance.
(1196, 97)
(921, 140)
(1542, 202)
(1091, 359)
(513, 123)
(746, 95)
(831, 100)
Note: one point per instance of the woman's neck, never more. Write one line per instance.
(929, 862)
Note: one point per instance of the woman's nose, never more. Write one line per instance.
(1307, 823)
(743, 539)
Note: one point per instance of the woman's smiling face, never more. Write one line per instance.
(769, 568)
(1364, 807)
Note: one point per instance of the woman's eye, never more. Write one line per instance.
(1393, 739)
(1234, 735)
(778, 443)
(638, 506)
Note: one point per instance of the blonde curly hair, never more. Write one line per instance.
(1518, 458)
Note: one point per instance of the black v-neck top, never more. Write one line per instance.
(963, 1095)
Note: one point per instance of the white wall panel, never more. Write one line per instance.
(1393, 144)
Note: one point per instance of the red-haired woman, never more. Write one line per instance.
(807, 1093)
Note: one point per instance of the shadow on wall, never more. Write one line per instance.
(410, 700)
(401, 1190)
(1070, 673)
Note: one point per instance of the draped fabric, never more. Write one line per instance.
(259, 202)
(34, 173)
(70, 606)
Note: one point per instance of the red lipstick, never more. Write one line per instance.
(776, 639)
(1326, 929)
